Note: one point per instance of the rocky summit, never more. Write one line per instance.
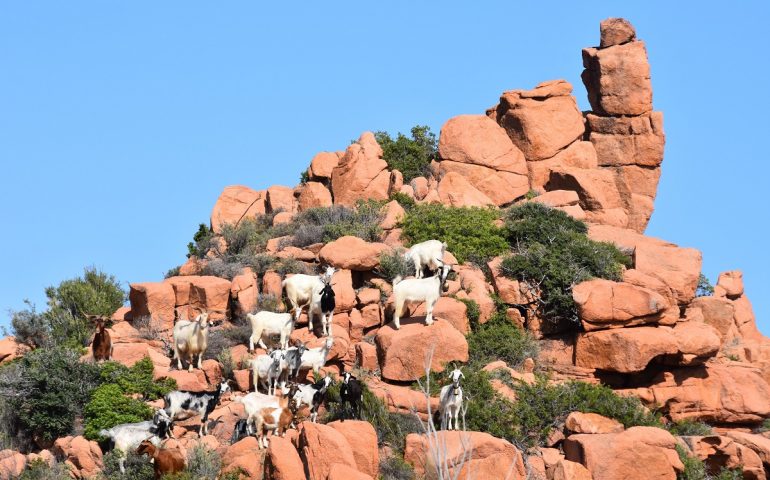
(632, 367)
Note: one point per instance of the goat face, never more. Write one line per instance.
(277, 356)
(444, 272)
(224, 386)
(456, 375)
(327, 275)
(346, 377)
(203, 320)
(145, 447)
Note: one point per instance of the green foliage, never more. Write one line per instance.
(694, 468)
(285, 266)
(469, 232)
(137, 379)
(729, 474)
(326, 224)
(30, 327)
(499, 339)
(138, 467)
(554, 254)
(40, 470)
(304, 177)
(406, 202)
(393, 263)
(225, 359)
(43, 393)
(531, 194)
(109, 407)
(704, 288)
(689, 427)
(472, 311)
(540, 407)
(172, 272)
(395, 468)
(202, 463)
(201, 242)
(410, 156)
(764, 427)
(249, 236)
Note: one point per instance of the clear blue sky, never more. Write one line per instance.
(121, 122)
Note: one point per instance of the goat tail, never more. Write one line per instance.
(397, 279)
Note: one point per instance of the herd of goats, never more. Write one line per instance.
(280, 368)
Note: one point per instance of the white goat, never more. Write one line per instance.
(305, 291)
(426, 254)
(265, 324)
(128, 436)
(451, 400)
(315, 358)
(426, 290)
(190, 339)
(255, 402)
(268, 370)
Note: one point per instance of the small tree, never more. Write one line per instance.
(704, 288)
(410, 156)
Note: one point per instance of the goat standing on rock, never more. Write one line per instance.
(451, 400)
(201, 403)
(426, 290)
(165, 460)
(102, 344)
(129, 435)
(351, 392)
(305, 291)
(426, 254)
(190, 339)
(265, 324)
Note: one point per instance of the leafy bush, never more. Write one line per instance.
(469, 232)
(395, 468)
(30, 327)
(40, 470)
(138, 467)
(393, 263)
(704, 288)
(202, 463)
(225, 359)
(43, 392)
(499, 339)
(289, 265)
(172, 272)
(250, 235)
(472, 311)
(201, 242)
(304, 177)
(540, 407)
(326, 224)
(137, 379)
(404, 200)
(222, 268)
(554, 254)
(694, 468)
(689, 427)
(411, 156)
(109, 407)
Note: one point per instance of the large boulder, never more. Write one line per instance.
(729, 284)
(244, 292)
(155, 300)
(477, 141)
(639, 452)
(607, 304)
(618, 79)
(402, 398)
(715, 393)
(566, 470)
(83, 457)
(10, 349)
(403, 353)
(244, 454)
(12, 464)
(597, 192)
(236, 203)
(197, 294)
(615, 31)
(282, 461)
(456, 191)
(352, 253)
(340, 471)
(320, 447)
(624, 350)
(361, 173)
(697, 342)
(322, 165)
(363, 436)
(716, 312)
(622, 141)
(312, 195)
(280, 199)
(486, 456)
(541, 121)
(758, 443)
(578, 154)
(579, 422)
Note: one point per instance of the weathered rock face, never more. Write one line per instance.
(475, 147)
(639, 452)
(615, 31)
(723, 452)
(624, 350)
(322, 166)
(361, 173)
(488, 456)
(578, 422)
(244, 292)
(153, 299)
(320, 447)
(12, 464)
(456, 191)
(362, 437)
(197, 294)
(236, 203)
(352, 253)
(11, 349)
(313, 194)
(607, 304)
(83, 457)
(282, 461)
(403, 353)
(244, 454)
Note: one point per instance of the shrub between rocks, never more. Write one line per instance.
(695, 469)
(499, 339)
(410, 156)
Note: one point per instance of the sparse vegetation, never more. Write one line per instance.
(472, 312)
(201, 242)
(137, 379)
(395, 468)
(138, 467)
(499, 339)
(689, 427)
(552, 254)
(393, 263)
(406, 202)
(695, 469)
(704, 288)
(326, 224)
(40, 470)
(202, 463)
(470, 232)
(410, 156)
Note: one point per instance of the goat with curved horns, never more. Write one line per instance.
(451, 400)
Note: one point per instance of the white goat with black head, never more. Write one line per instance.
(305, 291)
(451, 400)
(426, 290)
(190, 339)
(426, 254)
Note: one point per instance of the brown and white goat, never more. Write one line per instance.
(102, 344)
(165, 460)
(277, 419)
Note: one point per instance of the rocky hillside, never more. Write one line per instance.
(634, 315)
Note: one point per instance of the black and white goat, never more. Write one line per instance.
(451, 400)
(426, 290)
(313, 395)
(181, 402)
(240, 431)
(351, 392)
(324, 305)
(128, 436)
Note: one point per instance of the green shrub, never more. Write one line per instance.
(138, 467)
(406, 202)
(540, 407)
(172, 272)
(225, 359)
(289, 265)
(694, 468)
(410, 156)
(304, 177)
(224, 267)
(326, 224)
(40, 470)
(249, 236)
(533, 222)
(30, 327)
(764, 427)
(393, 264)
(109, 407)
(689, 427)
(499, 339)
(202, 463)
(137, 379)
(469, 232)
(472, 311)
(201, 242)
(395, 468)
(704, 288)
